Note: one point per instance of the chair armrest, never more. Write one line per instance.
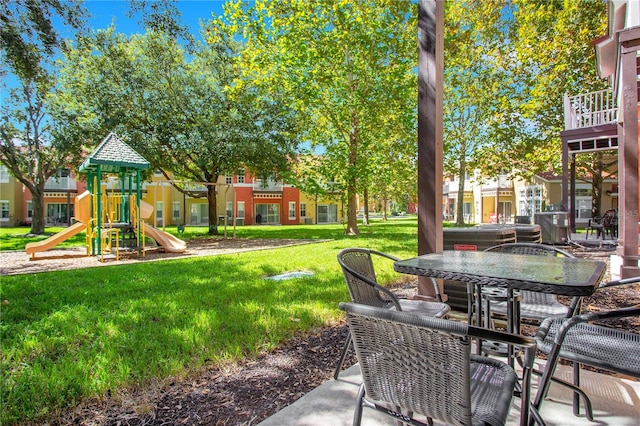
(388, 256)
(384, 290)
(624, 281)
(527, 343)
(594, 316)
(501, 336)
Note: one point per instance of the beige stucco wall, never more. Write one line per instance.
(12, 192)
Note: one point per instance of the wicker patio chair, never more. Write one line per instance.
(416, 365)
(359, 274)
(578, 340)
(533, 305)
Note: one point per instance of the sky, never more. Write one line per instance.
(104, 12)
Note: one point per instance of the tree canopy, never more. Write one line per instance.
(507, 67)
(183, 111)
(338, 75)
(29, 145)
(346, 68)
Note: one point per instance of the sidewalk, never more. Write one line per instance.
(593, 241)
(616, 402)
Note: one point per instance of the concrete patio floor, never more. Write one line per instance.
(616, 402)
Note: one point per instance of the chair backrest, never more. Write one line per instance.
(608, 217)
(418, 363)
(532, 297)
(530, 248)
(360, 275)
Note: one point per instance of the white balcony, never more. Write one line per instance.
(267, 185)
(502, 182)
(60, 184)
(590, 110)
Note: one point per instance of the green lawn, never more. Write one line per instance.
(72, 334)
(16, 238)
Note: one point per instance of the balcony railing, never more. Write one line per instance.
(590, 109)
(266, 185)
(502, 182)
(60, 184)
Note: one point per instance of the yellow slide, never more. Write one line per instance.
(82, 209)
(54, 240)
(169, 242)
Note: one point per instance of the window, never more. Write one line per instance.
(241, 209)
(229, 211)
(4, 174)
(504, 211)
(466, 212)
(57, 213)
(199, 214)
(292, 209)
(267, 214)
(228, 180)
(29, 210)
(583, 208)
(159, 213)
(4, 210)
(584, 202)
(175, 211)
(530, 201)
(303, 209)
(328, 213)
(240, 175)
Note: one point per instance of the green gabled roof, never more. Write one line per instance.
(113, 155)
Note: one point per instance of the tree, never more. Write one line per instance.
(29, 146)
(596, 167)
(28, 36)
(347, 68)
(556, 56)
(476, 80)
(507, 65)
(189, 114)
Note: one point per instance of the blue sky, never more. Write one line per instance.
(106, 11)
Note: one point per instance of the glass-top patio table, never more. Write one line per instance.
(557, 275)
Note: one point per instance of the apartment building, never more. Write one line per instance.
(11, 205)
(16, 206)
(509, 200)
(241, 197)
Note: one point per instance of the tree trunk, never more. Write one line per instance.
(38, 215)
(365, 197)
(352, 205)
(385, 206)
(460, 206)
(213, 209)
(596, 187)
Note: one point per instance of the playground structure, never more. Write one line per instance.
(111, 211)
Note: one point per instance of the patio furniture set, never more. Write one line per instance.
(418, 366)
(603, 226)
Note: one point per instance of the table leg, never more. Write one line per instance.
(478, 296)
(510, 324)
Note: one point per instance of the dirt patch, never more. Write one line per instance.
(18, 262)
